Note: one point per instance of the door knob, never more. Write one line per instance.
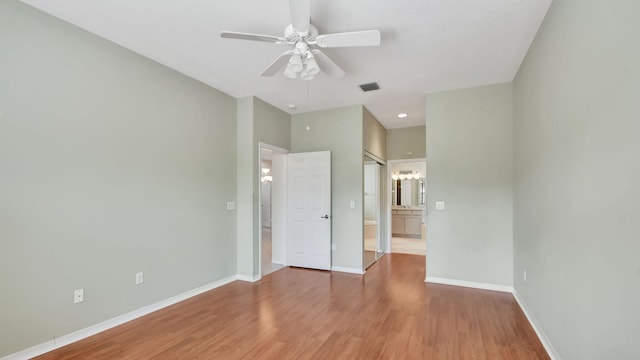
(324, 217)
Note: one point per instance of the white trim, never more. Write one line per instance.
(551, 351)
(119, 320)
(111, 323)
(278, 261)
(249, 278)
(273, 148)
(347, 270)
(380, 160)
(469, 284)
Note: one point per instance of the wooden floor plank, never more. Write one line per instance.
(389, 313)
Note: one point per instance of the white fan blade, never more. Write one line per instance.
(356, 38)
(278, 64)
(300, 14)
(326, 64)
(253, 37)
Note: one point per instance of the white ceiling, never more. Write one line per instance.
(427, 46)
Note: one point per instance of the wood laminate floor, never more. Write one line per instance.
(389, 313)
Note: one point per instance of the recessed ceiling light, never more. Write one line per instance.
(292, 106)
(402, 115)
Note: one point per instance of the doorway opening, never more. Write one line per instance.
(272, 209)
(374, 181)
(407, 211)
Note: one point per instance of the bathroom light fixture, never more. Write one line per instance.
(265, 177)
(405, 175)
(402, 115)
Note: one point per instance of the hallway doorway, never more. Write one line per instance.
(407, 210)
(272, 208)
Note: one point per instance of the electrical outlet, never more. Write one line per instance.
(440, 205)
(78, 296)
(333, 247)
(524, 275)
(139, 278)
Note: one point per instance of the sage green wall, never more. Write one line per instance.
(244, 206)
(577, 179)
(110, 164)
(257, 122)
(401, 141)
(470, 168)
(340, 131)
(375, 135)
(271, 126)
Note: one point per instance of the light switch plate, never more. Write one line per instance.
(439, 205)
(352, 204)
(231, 205)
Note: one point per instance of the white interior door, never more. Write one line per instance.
(309, 210)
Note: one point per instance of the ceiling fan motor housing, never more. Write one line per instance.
(292, 36)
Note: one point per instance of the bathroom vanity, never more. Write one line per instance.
(406, 222)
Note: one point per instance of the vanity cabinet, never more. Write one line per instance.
(406, 223)
(397, 224)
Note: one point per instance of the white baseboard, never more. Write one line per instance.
(469, 284)
(278, 261)
(347, 270)
(111, 323)
(551, 351)
(249, 278)
(119, 320)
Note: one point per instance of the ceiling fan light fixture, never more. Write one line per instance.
(295, 63)
(290, 74)
(306, 75)
(294, 67)
(311, 65)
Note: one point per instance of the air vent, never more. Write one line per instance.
(370, 87)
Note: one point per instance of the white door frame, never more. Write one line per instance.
(282, 176)
(389, 202)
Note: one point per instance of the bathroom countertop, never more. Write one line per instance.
(407, 208)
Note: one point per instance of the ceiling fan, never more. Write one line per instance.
(305, 60)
